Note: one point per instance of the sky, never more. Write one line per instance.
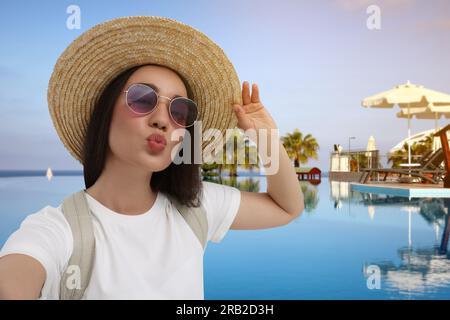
(314, 61)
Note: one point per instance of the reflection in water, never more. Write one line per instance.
(340, 192)
(423, 269)
(420, 271)
(433, 210)
(252, 184)
(247, 184)
(310, 195)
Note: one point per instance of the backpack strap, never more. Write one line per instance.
(75, 278)
(196, 219)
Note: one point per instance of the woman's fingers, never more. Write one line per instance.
(246, 93)
(255, 93)
(246, 98)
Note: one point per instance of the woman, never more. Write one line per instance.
(118, 109)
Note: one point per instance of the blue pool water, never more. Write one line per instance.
(327, 253)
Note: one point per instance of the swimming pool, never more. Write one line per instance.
(346, 244)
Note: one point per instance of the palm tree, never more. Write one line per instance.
(300, 147)
(251, 156)
(238, 143)
(417, 149)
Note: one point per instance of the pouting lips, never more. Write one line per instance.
(157, 138)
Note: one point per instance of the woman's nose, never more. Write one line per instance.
(160, 117)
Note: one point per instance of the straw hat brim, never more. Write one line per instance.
(97, 56)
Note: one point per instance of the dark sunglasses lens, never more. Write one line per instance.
(141, 98)
(183, 111)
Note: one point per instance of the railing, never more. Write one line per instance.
(354, 161)
(357, 160)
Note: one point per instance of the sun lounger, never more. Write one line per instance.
(430, 170)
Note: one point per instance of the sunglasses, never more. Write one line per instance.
(143, 99)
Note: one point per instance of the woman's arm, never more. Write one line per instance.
(284, 199)
(21, 277)
(282, 202)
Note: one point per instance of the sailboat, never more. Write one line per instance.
(49, 173)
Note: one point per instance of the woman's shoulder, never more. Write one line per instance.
(51, 215)
(50, 220)
(212, 190)
(44, 235)
(221, 203)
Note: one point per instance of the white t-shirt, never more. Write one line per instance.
(154, 255)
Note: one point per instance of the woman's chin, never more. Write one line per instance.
(157, 163)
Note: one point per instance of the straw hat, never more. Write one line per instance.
(101, 53)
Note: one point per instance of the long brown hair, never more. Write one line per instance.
(182, 181)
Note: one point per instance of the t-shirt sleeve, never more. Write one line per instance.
(221, 203)
(45, 236)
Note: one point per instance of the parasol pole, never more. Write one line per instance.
(435, 130)
(409, 137)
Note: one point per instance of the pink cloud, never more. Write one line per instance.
(442, 24)
(357, 5)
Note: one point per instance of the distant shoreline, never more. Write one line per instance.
(38, 173)
(43, 173)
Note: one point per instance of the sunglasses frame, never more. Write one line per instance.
(157, 103)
